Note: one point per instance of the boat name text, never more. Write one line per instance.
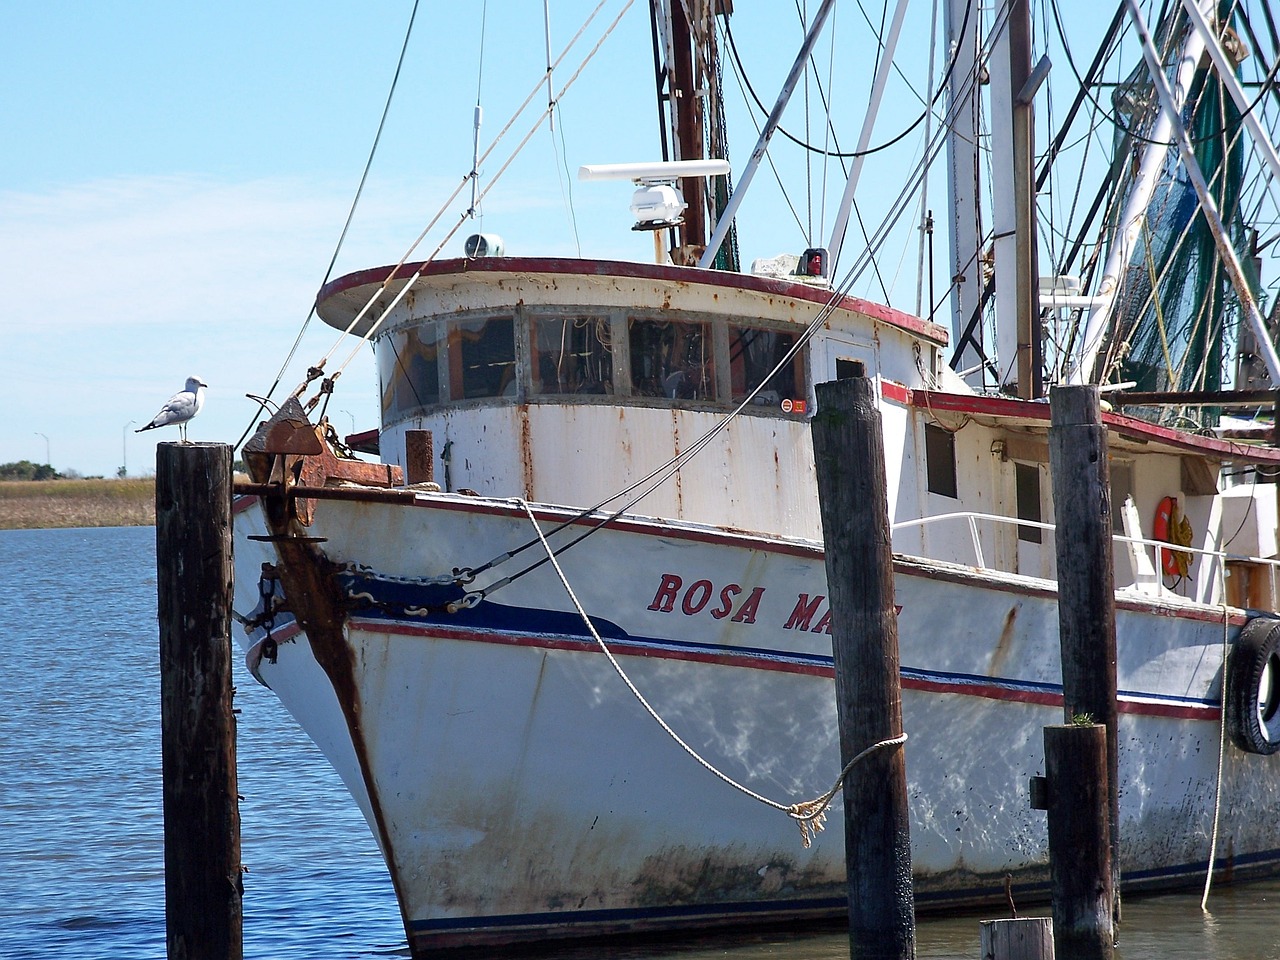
(811, 613)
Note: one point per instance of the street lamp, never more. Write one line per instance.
(48, 457)
(124, 448)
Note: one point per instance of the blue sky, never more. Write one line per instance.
(175, 178)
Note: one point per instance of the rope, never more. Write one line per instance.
(810, 815)
(1222, 740)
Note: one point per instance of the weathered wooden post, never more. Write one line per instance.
(1075, 758)
(849, 453)
(1022, 938)
(203, 887)
(1086, 614)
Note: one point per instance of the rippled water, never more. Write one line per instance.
(81, 858)
(81, 842)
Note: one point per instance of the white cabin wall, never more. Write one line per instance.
(1205, 514)
(1249, 518)
(756, 475)
(901, 461)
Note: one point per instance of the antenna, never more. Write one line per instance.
(657, 202)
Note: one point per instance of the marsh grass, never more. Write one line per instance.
(28, 504)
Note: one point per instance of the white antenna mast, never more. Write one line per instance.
(479, 117)
(551, 99)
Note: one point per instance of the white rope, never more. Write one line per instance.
(810, 814)
(1222, 739)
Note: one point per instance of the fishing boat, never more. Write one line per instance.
(567, 641)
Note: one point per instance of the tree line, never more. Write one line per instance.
(26, 470)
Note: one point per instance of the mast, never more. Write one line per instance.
(685, 31)
(1030, 365)
(688, 115)
(1003, 212)
(964, 225)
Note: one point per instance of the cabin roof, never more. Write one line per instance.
(1035, 416)
(340, 300)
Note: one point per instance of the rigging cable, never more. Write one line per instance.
(1267, 85)
(561, 158)
(316, 371)
(345, 227)
(853, 153)
(662, 473)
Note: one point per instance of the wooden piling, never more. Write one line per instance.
(849, 454)
(1086, 577)
(1023, 938)
(1075, 757)
(203, 887)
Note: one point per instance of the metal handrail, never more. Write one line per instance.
(1154, 546)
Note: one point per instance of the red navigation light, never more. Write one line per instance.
(814, 262)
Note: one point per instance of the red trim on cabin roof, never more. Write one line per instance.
(897, 392)
(1131, 427)
(637, 271)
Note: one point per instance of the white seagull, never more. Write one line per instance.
(182, 406)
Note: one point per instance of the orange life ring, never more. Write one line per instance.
(1172, 527)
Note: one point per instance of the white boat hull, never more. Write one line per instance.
(521, 792)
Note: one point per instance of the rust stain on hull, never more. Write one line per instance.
(318, 603)
(1005, 644)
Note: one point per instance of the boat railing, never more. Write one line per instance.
(1146, 556)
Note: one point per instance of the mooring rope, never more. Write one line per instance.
(810, 815)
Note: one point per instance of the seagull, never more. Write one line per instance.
(182, 406)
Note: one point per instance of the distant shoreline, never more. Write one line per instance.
(45, 504)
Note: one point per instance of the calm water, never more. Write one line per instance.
(81, 859)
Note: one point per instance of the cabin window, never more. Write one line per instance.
(673, 359)
(1027, 482)
(753, 353)
(482, 359)
(846, 369)
(410, 371)
(940, 460)
(571, 355)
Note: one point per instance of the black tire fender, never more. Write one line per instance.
(1252, 698)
